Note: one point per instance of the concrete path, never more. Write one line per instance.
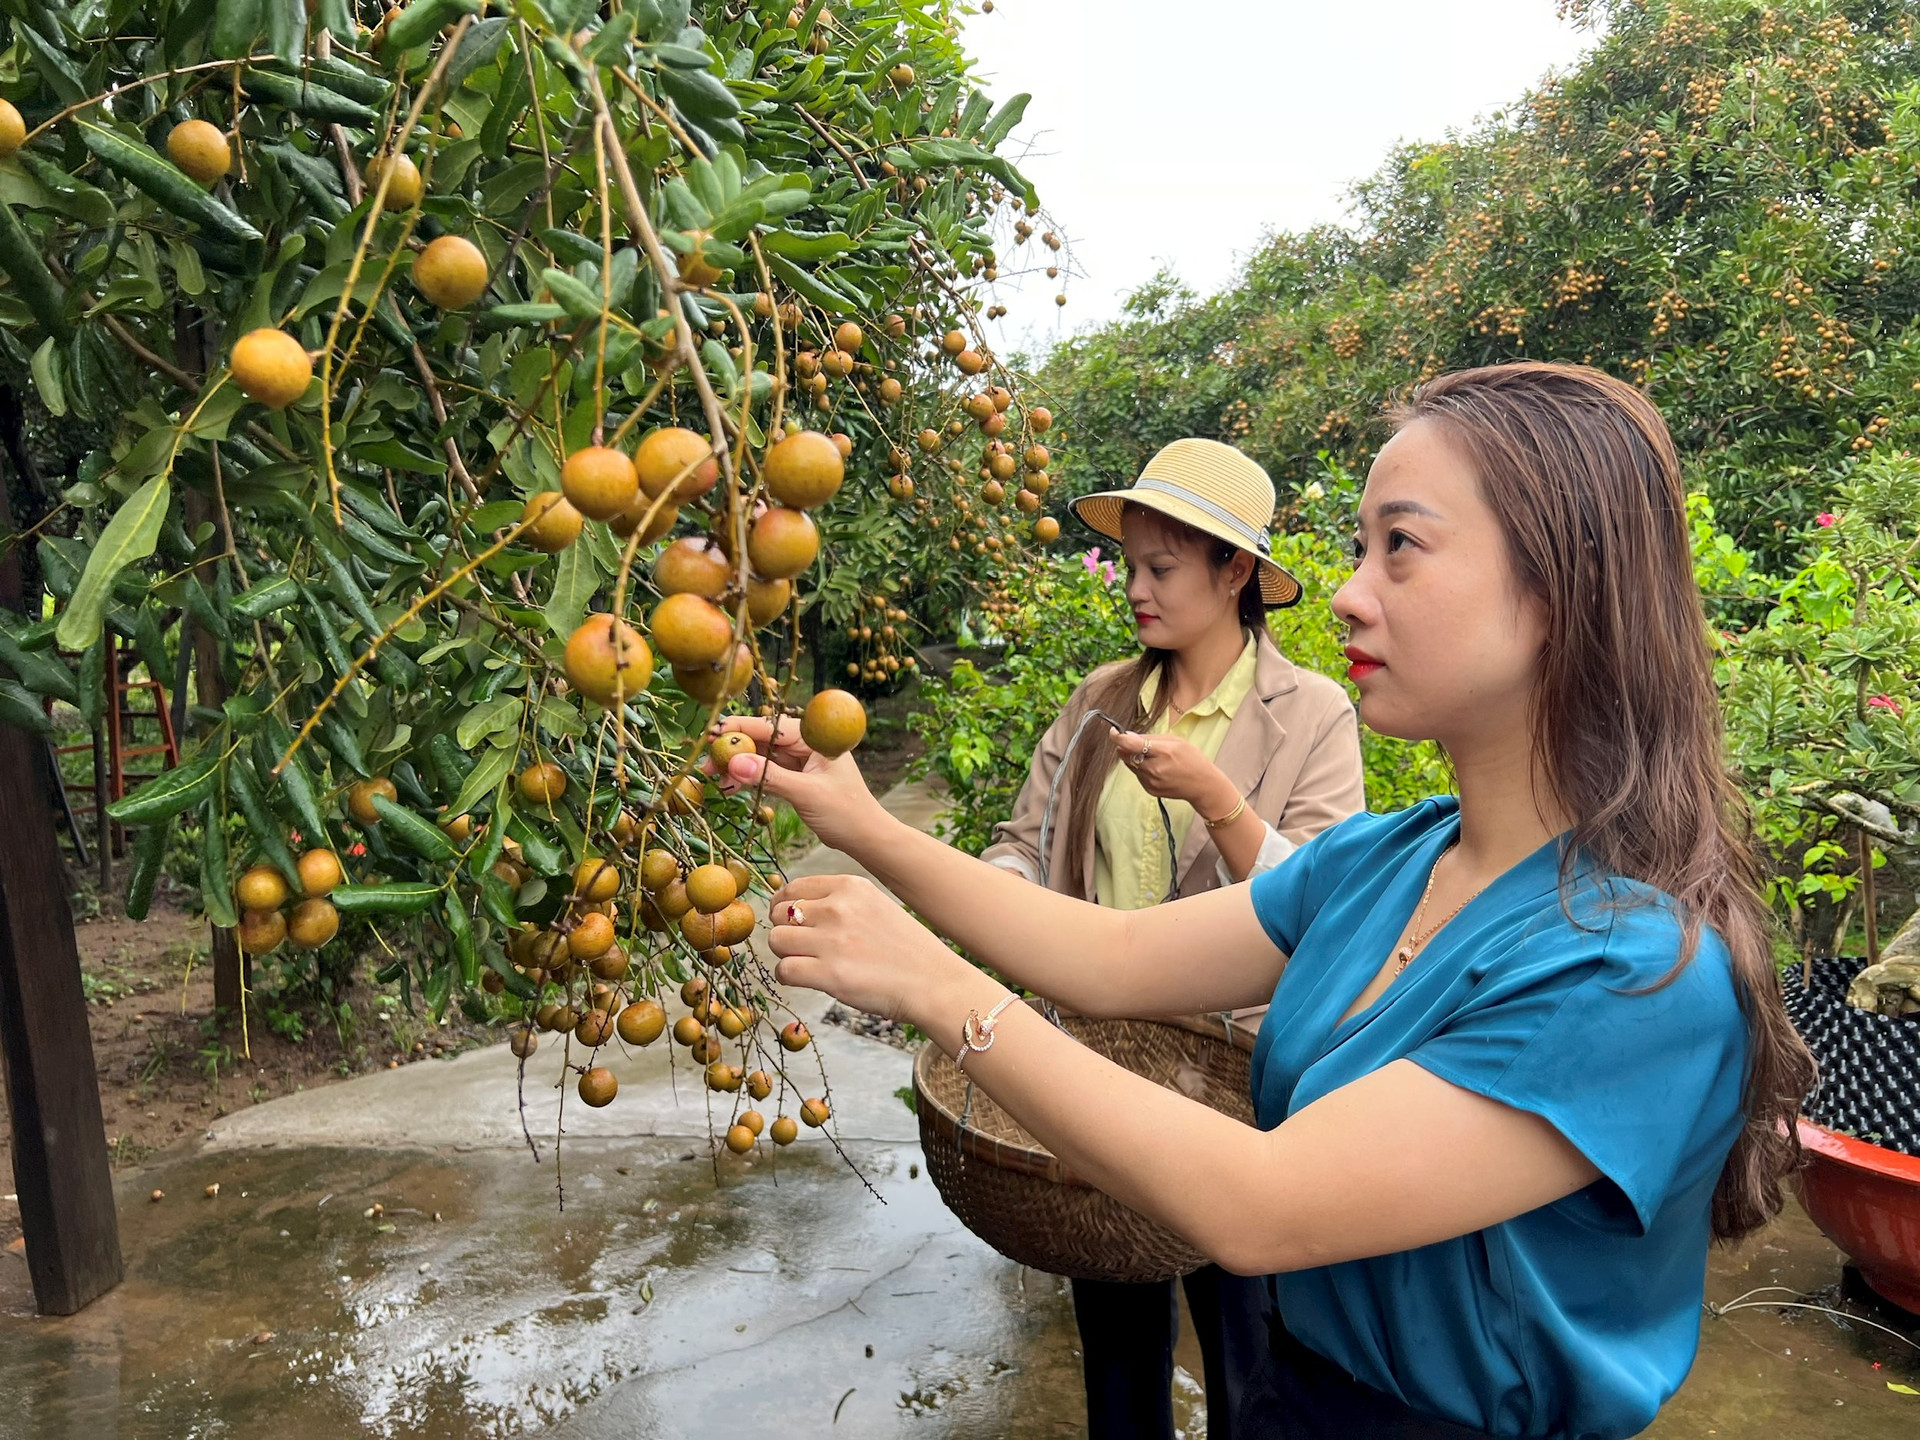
(384, 1257)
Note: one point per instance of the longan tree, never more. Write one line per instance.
(482, 395)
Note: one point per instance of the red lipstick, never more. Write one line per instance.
(1363, 664)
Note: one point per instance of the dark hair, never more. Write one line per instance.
(1118, 693)
(1581, 470)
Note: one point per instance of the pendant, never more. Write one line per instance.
(1403, 957)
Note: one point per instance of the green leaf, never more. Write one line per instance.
(403, 898)
(489, 718)
(796, 245)
(423, 838)
(169, 792)
(129, 537)
(480, 781)
(46, 377)
(575, 578)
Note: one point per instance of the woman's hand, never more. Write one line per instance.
(1169, 767)
(845, 935)
(830, 795)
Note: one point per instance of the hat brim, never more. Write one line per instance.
(1103, 513)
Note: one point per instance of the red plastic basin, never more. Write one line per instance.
(1867, 1201)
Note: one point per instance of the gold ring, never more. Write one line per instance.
(795, 916)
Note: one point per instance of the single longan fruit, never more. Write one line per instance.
(598, 481)
(607, 660)
(591, 937)
(1046, 529)
(795, 1037)
(200, 150)
(782, 542)
(598, 1087)
(271, 366)
(678, 457)
(1039, 419)
(312, 924)
(833, 723)
(543, 783)
(360, 798)
(688, 1031)
(261, 931)
(552, 524)
(739, 1139)
(658, 869)
(759, 1084)
(320, 871)
(693, 565)
(596, 878)
(704, 1050)
(804, 470)
(451, 272)
(722, 1077)
(13, 129)
(953, 342)
(711, 889)
(405, 187)
(642, 1022)
(610, 964)
(262, 888)
(753, 1120)
(784, 1131)
(522, 1040)
(815, 1112)
(595, 1028)
(722, 748)
(690, 631)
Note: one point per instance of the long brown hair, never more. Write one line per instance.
(1118, 690)
(1581, 470)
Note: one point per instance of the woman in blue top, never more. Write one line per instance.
(1525, 1055)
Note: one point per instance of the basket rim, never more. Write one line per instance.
(1034, 1158)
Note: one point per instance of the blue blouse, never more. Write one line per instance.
(1580, 1318)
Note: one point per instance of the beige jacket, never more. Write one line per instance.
(1293, 749)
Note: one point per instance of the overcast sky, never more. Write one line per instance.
(1180, 133)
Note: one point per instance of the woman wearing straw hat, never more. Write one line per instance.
(1225, 759)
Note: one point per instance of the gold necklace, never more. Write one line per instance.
(1403, 957)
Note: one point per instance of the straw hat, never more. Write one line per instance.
(1214, 489)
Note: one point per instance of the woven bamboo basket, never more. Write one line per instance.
(1014, 1194)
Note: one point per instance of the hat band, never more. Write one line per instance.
(1255, 539)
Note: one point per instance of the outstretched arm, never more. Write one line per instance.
(1396, 1160)
(1206, 953)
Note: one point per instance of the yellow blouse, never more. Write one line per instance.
(1131, 866)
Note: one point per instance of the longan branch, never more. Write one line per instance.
(447, 50)
(359, 664)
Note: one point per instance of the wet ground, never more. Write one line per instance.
(386, 1258)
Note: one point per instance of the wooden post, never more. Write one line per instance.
(60, 1169)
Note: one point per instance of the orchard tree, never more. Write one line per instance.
(1717, 202)
(484, 396)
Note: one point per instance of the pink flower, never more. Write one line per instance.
(1825, 519)
(1107, 571)
(1884, 702)
(1092, 561)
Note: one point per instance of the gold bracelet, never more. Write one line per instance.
(1228, 818)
